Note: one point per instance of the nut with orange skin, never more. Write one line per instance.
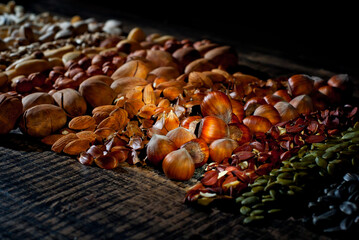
(217, 104)
(212, 128)
(178, 165)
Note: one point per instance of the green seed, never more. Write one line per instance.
(354, 147)
(274, 210)
(271, 186)
(285, 175)
(308, 158)
(247, 194)
(250, 219)
(239, 199)
(350, 135)
(258, 182)
(256, 212)
(290, 192)
(328, 155)
(273, 193)
(285, 182)
(321, 162)
(258, 205)
(250, 200)
(266, 200)
(244, 210)
(257, 189)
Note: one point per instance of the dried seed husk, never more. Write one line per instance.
(149, 96)
(76, 146)
(132, 106)
(106, 162)
(105, 133)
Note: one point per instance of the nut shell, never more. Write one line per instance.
(10, 110)
(42, 120)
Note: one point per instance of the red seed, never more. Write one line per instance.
(315, 138)
(210, 178)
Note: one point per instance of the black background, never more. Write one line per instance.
(322, 35)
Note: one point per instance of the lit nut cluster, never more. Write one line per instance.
(177, 104)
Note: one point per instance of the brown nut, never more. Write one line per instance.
(224, 56)
(71, 101)
(96, 92)
(37, 98)
(10, 110)
(42, 120)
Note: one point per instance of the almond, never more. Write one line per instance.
(51, 139)
(110, 122)
(82, 122)
(90, 135)
(77, 146)
(59, 145)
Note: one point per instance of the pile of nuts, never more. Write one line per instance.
(87, 90)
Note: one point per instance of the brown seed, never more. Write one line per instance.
(110, 122)
(76, 146)
(59, 145)
(82, 122)
(90, 135)
(51, 139)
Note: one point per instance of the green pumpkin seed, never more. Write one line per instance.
(239, 199)
(300, 165)
(258, 205)
(267, 200)
(250, 200)
(308, 158)
(273, 193)
(285, 175)
(244, 210)
(328, 155)
(248, 194)
(285, 182)
(274, 210)
(256, 212)
(257, 189)
(350, 135)
(258, 182)
(250, 219)
(290, 192)
(353, 147)
(271, 186)
(302, 151)
(321, 162)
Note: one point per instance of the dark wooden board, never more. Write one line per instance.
(45, 195)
